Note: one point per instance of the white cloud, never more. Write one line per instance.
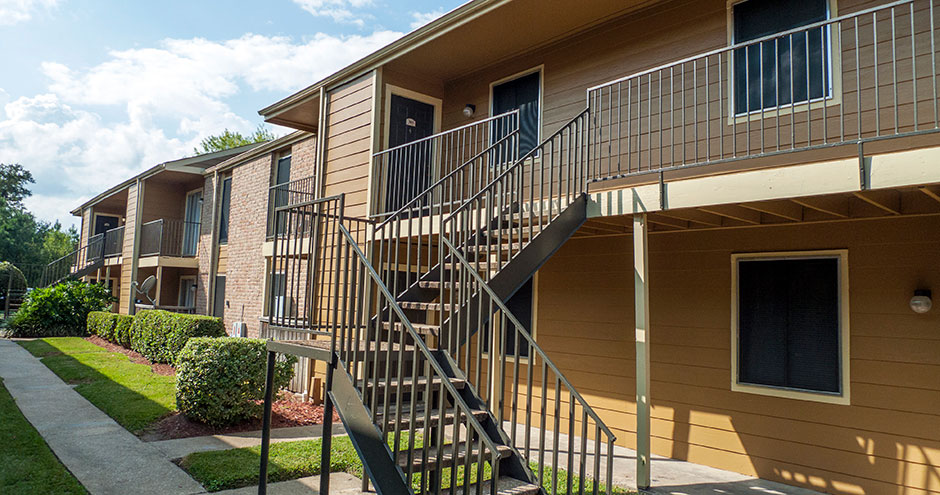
(422, 18)
(345, 11)
(96, 126)
(16, 11)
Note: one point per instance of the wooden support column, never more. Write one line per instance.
(642, 318)
(156, 299)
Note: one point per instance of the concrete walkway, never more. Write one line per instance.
(339, 483)
(106, 458)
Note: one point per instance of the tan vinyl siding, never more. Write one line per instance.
(223, 259)
(127, 253)
(348, 142)
(889, 435)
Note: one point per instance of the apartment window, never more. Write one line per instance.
(784, 70)
(281, 194)
(218, 298)
(790, 323)
(224, 204)
(522, 93)
(278, 300)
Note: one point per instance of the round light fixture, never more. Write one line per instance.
(469, 110)
(921, 302)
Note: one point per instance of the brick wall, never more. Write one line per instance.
(205, 247)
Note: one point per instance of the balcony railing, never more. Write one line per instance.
(404, 172)
(169, 238)
(288, 193)
(75, 263)
(850, 79)
(114, 242)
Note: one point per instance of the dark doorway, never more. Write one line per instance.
(409, 170)
(104, 223)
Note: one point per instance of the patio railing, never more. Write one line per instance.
(114, 242)
(169, 238)
(861, 76)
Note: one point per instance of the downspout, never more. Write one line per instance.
(320, 168)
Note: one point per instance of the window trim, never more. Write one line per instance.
(275, 161)
(540, 69)
(843, 397)
(835, 75)
(221, 214)
(179, 292)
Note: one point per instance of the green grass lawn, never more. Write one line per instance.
(234, 468)
(130, 393)
(27, 466)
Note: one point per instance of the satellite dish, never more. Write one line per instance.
(145, 287)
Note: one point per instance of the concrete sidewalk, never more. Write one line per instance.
(106, 458)
(180, 447)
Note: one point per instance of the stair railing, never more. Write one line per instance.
(404, 241)
(491, 345)
(76, 261)
(352, 306)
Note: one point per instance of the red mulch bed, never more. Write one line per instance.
(160, 369)
(285, 412)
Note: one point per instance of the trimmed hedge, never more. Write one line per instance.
(160, 335)
(220, 381)
(113, 327)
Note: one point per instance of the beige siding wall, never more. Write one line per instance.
(888, 436)
(130, 229)
(348, 142)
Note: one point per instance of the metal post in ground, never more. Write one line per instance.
(327, 442)
(266, 424)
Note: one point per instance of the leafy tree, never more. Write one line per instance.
(14, 185)
(56, 242)
(232, 139)
(58, 311)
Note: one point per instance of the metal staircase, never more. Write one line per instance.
(77, 264)
(436, 381)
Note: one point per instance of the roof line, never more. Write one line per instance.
(436, 28)
(237, 160)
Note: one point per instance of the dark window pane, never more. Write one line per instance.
(225, 202)
(521, 94)
(786, 69)
(788, 323)
(283, 170)
(218, 299)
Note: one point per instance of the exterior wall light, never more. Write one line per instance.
(921, 302)
(469, 110)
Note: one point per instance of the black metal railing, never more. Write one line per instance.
(857, 77)
(114, 242)
(76, 262)
(165, 237)
(405, 172)
(293, 192)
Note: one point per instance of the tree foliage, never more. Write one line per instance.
(24, 240)
(60, 310)
(232, 139)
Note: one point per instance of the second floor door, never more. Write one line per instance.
(409, 171)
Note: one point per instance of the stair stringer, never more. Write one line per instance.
(377, 461)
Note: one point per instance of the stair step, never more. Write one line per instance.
(504, 486)
(408, 383)
(421, 328)
(423, 306)
(448, 458)
(406, 420)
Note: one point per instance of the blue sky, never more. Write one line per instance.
(93, 92)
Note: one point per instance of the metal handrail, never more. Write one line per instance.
(166, 237)
(714, 108)
(417, 162)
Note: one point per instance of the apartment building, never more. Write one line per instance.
(701, 230)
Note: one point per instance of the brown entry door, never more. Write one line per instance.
(409, 171)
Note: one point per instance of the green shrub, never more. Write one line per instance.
(59, 311)
(102, 323)
(221, 381)
(160, 335)
(122, 330)
(8, 270)
(113, 327)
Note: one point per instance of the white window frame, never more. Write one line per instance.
(180, 291)
(785, 392)
(834, 74)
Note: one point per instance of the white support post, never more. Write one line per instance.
(642, 318)
(156, 299)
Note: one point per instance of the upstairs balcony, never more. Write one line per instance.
(169, 238)
(829, 90)
(114, 242)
